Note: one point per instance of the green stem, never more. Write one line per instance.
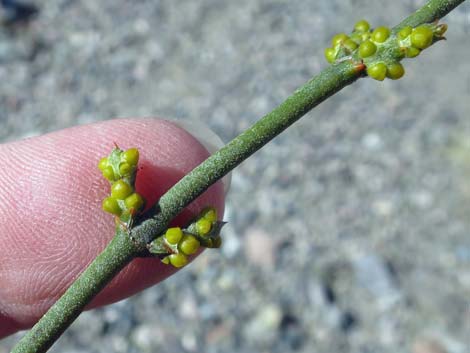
(122, 250)
(431, 11)
(118, 253)
(328, 82)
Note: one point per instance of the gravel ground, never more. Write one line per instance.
(361, 209)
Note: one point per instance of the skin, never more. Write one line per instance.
(51, 222)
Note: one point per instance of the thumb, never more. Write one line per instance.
(51, 223)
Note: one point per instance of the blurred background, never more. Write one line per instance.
(348, 233)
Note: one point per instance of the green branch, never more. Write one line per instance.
(432, 11)
(122, 249)
(328, 82)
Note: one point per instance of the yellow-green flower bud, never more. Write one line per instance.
(421, 37)
(178, 260)
(350, 45)
(120, 190)
(111, 205)
(173, 235)
(380, 34)
(412, 52)
(108, 173)
(338, 39)
(330, 55)
(362, 26)
(131, 156)
(103, 163)
(367, 48)
(405, 32)
(395, 71)
(134, 201)
(377, 71)
(189, 244)
(210, 214)
(203, 226)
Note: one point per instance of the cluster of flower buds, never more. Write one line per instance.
(413, 40)
(119, 168)
(364, 43)
(177, 244)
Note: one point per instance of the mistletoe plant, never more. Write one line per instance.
(365, 52)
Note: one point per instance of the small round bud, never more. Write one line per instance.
(203, 226)
(103, 163)
(350, 45)
(380, 34)
(421, 37)
(357, 37)
(362, 26)
(111, 205)
(367, 49)
(126, 168)
(189, 244)
(131, 156)
(173, 235)
(210, 214)
(365, 36)
(330, 55)
(338, 39)
(134, 201)
(404, 32)
(120, 190)
(178, 260)
(395, 71)
(108, 173)
(377, 71)
(412, 52)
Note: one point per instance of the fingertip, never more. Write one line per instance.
(51, 218)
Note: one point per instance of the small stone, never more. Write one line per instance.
(425, 345)
(422, 199)
(263, 327)
(218, 334)
(147, 336)
(383, 208)
(141, 26)
(372, 141)
(189, 342)
(373, 274)
(188, 308)
(259, 248)
(226, 281)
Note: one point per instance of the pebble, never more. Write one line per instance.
(147, 336)
(263, 326)
(373, 274)
(260, 248)
(218, 333)
(372, 141)
(425, 345)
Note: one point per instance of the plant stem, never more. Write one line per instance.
(118, 253)
(328, 82)
(431, 11)
(122, 249)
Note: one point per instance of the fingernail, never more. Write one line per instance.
(209, 139)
